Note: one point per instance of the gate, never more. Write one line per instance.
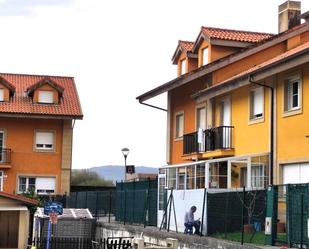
(9, 226)
(297, 213)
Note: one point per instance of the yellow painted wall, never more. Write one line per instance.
(292, 143)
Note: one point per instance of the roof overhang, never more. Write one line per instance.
(39, 116)
(225, 61)
(258, 73)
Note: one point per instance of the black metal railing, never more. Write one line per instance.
(190, 143)
(5, 155)
(213, 139)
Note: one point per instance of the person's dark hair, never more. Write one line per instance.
(193, 208)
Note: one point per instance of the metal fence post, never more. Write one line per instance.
(110, 207)
(271, 214)
(125, 207)
(243, 214)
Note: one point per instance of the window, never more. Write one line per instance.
(171, 183)
(41, 185)
(181, 178)
(1, 95)
(191, 177)
(205, 56)
(200, 176)
(26, 183)
(296, 173)
(201, 117)
(256, 103)
(161, 192)
(183, 66)
(1, 180)
(46, 97)
(2, 156)
(44, 140)
(257, 176)
(179, 125)
(292, 94)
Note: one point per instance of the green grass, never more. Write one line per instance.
(258, 238)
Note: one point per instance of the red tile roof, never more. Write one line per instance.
(20, 198)
(235, 35)
(186, 45)
(21, 104)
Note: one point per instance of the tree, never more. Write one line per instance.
(86, 177)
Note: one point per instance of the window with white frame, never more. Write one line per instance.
(1, 180)
(256, 103)
(200, 176)
(171, 182)
(26, 184)
(44, 140)
(205, 56)
(201, 117)
(40, 185)
(46, 97)
(191, 177)
(257, 176)
(1, 95)
(292, 93)
(179, 125)
(183, 65)
(161, 192)
(181, 176)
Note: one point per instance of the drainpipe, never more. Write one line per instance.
(271, 126)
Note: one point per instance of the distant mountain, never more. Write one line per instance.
(116, 173)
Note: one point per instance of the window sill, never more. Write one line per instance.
(256, 120)
(178, 139)
(292, 112)
(44, 150)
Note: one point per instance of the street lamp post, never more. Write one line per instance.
(125, 153)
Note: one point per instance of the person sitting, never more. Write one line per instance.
(190, 222)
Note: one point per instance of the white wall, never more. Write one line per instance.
(183, 200)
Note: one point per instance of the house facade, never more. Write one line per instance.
(37, 116)
(238, 111)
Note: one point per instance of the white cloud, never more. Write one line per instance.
(117, 50)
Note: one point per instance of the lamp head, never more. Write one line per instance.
(125, 152)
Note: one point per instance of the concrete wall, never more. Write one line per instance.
(154, 236)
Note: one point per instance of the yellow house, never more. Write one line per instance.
(238, 112)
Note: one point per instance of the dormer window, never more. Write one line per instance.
(1, 95)
(205, 56)
(183, 66)
(46, 97)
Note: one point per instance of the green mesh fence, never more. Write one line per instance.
(136, 202)
(100, 203)
(297, 213)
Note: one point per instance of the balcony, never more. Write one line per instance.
(214, 139)
(5, 157)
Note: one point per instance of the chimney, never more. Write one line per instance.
(289, 15)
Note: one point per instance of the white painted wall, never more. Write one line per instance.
(183, 200)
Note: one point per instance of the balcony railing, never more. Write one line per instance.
(5, 155)
(212, 139)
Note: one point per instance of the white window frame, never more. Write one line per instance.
(44, 146)
(288, 93)
(205, 53)
(36, 183)
(252, 103)
(46, 97)
(1, 94)
(1, 179)
(183, 65)
(198, 118)
(179, 130)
